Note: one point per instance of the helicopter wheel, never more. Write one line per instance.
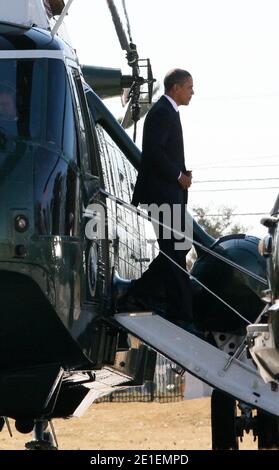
(223, 422)
(2, 422)
(268, 430)
(46, 444)
(43, 438)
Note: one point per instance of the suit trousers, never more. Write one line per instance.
(164, 276)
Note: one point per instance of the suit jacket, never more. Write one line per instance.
(162, 157)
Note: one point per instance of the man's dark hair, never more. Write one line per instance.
(175, 76)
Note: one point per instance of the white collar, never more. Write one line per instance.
(173, 103)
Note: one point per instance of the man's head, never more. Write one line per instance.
(179, 86)
(7, 102)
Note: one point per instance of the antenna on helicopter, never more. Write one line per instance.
(61, 17)
(135, 63)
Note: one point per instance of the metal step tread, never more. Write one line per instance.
(241, 379)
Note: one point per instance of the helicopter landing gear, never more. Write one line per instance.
(43, 437)
(2, 422)
(228, 428)
(223, 422)
(267, 430)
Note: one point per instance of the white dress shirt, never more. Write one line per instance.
(174, 104)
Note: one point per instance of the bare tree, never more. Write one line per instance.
(219, 225)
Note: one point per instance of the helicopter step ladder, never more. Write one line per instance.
(236, 376)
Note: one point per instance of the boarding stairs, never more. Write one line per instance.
(235, 375)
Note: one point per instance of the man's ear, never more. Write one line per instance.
(176, 88)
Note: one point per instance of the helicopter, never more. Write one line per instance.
(64, 161)
(262, 338)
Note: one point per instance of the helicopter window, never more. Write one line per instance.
(35, 102)
(69, 134)
(15, 97)
(60, 128)
(55, 104)
(83, 122)
(119, 179)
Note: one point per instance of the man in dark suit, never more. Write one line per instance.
(163, 179)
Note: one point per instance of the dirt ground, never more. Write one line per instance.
(183, 425)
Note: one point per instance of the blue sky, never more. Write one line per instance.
(231, 48)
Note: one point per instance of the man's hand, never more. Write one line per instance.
(185, 181)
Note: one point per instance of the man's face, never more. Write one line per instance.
(184, 92)
(7, 106)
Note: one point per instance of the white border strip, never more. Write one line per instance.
(36, 54)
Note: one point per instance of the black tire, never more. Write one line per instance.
(267, 430)
(223, 422)
(2, 422)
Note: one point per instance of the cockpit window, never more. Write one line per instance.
(34, 101)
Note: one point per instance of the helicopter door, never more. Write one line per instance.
(95, 252)
(122, 225)
(145, 243)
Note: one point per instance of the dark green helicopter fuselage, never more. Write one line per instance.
(54, 282)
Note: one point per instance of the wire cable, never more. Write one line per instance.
(182, 235)
(140, 213)
(231, 189)
(234, 180)
(206, 288)
(242, 159)
(200, 168)
(235, 215)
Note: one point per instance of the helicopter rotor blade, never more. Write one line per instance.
(125, 97)
(124, 42)
(127, 120)
(127, 44)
